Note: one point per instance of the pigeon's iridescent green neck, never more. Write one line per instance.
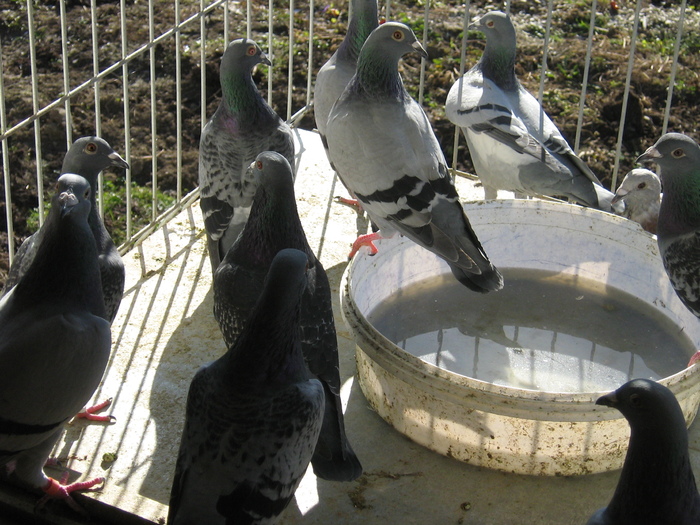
(378, 77)
(680, 206)
(498, 64)
(240, 96)
(362, 23)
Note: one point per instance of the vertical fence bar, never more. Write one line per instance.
(462, 67)
(226, 25)
(543, 72)
(309, 75)
(423, 61)
(674, 67)
(290, 65)
(586, 71)
(178, 99)
(154, 118)
(66, 72)
(203, 61)
(270, 51)
(127, 119)
(6, 165)
(98, 105)
(249, 17)
(626, 95)
(35, 109)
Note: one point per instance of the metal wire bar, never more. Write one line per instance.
(586, 71)
(98, 105)
(66, 72)
(674, 67)
(6, 165)
(127, 113)
(35, 108)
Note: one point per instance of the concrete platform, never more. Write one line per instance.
(165, 330)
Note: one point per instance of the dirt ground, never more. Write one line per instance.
(611, 51)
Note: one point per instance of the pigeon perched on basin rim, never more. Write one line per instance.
(513, 144)
(384, 150)
(242, 126)
(274, 225)
(253, 416)
(54, 341)
(656, 485)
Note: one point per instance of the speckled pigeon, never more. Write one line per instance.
(272, 226)
(54, 341)
(656, 485)
(640, 192)
(242, 126)
(501, 122)
(678, 229)
(253, 416)
(87, 157)
(383, 148)
(335, 74)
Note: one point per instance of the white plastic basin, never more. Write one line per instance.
(496, 426)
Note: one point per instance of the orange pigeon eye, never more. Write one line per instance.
(91, 147)
(252, 51)
(490, 23)
(259, 164)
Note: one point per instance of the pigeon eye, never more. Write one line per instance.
(635, 400)
(252, 51)
(87, 193)
(678, 153)
(642, 185)
(259, 164)
(398, 35)
(91, 148)
(490, 23)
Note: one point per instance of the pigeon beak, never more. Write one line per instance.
(418, 47)
(67, 200)
(117, 160)
(608, 400)
(264, 59)
(649, 155)
(619, 195)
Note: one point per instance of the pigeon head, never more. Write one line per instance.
(72, 196)
(645, 404)
(272, 170)
(394, 40)
(88, 156)
(674, 153)
(241, 55)
(498, 61)
(639, 185)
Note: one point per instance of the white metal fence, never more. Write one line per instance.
(142, 74)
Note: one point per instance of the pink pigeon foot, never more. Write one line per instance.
(89, 412)
(352, 203)
(365, 240)
(694, 359)
(59, 490)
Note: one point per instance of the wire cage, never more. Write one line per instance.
(144, 76)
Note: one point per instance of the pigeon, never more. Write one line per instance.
(656, 483)
(384, 150)
(678, 230)
(242, 126)
(54, 341)
(335, 74)
(87, 157)
(640, 192)
(513, 144)
(274, 225)
(253, 416)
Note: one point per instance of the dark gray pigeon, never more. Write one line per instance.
(384, 150)
(678, 228)
(274, 225)
(253, 416)
(242, 126)
(656, 484)
(54, 341)
(87, 157)
(513, 144)
(336, 73)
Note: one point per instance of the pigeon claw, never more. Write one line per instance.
(59, 490)
(352, 203)
(90, 412)
(365, 240)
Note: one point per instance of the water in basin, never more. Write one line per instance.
(544, 331)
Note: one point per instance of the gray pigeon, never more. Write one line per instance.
(678, 229)
(54, 341)
(656, 484)
(335, 74)
(87, 157)
(640, 192)
(253, 416)
(501, 122)
(242, 126)
(274, 225)
(384, 150)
